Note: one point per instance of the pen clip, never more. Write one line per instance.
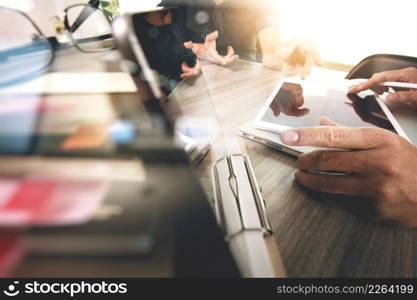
(260, 202)
(233, 184)
(218, 207)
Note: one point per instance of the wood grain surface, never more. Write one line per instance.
(318, 235)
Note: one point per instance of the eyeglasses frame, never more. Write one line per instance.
(70, 31)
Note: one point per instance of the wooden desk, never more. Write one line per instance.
(316, 237)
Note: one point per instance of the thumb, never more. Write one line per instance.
(188, 45)
(185, 67)
(212, 36)
(403, 97)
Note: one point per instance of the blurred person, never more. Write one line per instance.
(162, 36)
(380, 166)
(227, 29)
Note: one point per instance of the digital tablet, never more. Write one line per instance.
(292, 105)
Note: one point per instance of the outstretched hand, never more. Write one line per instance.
(188, 71)
(208, 50)
(299, 57)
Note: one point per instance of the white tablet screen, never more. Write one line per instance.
(297, 106)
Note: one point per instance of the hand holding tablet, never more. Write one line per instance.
(360, 150)
(303, 106)
(404, 82)
(292, 105)
(380, 168)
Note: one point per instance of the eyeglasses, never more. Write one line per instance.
(25, 52)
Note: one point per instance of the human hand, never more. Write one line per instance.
(190, 71)
(289, 100)
(408, 75)
(208, 50)
(379, 165)
(299, 56)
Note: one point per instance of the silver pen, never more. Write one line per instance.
(240, 211)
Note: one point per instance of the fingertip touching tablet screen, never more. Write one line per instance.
(292, 105)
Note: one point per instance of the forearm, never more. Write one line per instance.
(270, 41)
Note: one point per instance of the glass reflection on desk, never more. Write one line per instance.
(289, 101)
(63, 124)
